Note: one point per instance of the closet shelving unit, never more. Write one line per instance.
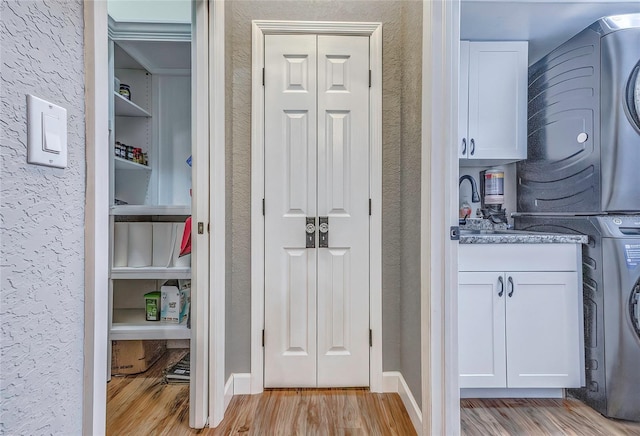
(155, 62)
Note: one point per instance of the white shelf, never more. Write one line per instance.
(127, 108)
(127, 209)
(150, 273)
(127, 165)
(130, 324)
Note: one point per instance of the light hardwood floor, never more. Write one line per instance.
(538, 417)
(143, 405)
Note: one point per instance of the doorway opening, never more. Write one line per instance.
(320, 183)
(316, 172)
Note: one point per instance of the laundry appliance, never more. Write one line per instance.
(584, 123)
(582, 175)
(611, 284)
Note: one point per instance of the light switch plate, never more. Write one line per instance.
(46, 133)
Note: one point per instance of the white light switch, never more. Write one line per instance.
(47, 133)
(51, 133)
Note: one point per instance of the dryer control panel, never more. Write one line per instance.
(620, 226)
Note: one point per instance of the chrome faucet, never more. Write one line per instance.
(475, 197)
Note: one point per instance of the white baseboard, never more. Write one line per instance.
(228, 392)
(512, 393)
(237, 384)
(242, 383)
(393, 381)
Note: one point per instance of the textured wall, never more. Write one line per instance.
(402, 48)
(410, 153)
(41, 224)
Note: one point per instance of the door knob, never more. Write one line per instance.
(310, 230)
(323, 227)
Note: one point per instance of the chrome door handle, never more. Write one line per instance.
(501, 282)
(472, 150)
(323, 227)
(310, 230)
(510, 280)
(464, 146)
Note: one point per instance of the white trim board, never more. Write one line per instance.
(512, 393)
(96, 254)
(200, 385)
(374, 32)
(393, 381)
(237, 384)
(438, 254)
(228, 393)
(217, 212)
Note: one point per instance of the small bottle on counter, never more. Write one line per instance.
(465, 210)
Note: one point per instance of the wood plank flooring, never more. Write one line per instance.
(143, 405)
(538, 417)
(317, 412)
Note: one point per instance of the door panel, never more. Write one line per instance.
(290, 196)
(481, 338)
(497, 114)
(296, 332)
(343, 196)
(317, 165)
(541, 330)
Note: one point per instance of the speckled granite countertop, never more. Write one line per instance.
(517, 237)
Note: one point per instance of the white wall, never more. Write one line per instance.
(41, 224)
(162, 11)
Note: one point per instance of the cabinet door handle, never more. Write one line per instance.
(510, 280)
(472, 150)
(501, 283)
(464, 146)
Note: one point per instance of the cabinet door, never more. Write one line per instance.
(543, 330)
(463, 101)
(497, 100)
(481, 340)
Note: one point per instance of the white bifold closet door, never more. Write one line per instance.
(316, 166)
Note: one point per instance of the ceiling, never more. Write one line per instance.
(544, 23)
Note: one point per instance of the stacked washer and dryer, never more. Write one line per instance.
(582, 176)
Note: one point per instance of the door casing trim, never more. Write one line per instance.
(374, 32)
(96, 321)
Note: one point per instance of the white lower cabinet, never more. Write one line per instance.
(481, 330)
(520, 328)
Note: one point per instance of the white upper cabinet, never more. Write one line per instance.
(492, 121)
